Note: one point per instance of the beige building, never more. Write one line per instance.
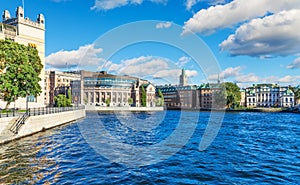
(55, 81)
(101, 89)
(22, 30)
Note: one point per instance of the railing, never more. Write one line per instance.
(12, 113)
(40, 111)
(18, 123)
(52, 110)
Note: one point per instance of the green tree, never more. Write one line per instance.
(219, 97)
(130, 101)
(61, 101)
(107, 101)
(233, 94)
(69, 98)
(144, 97)
(160, 100)
(296, 91)
(20, 67)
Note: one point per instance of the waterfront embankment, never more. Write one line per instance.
(36, 123)
(119, 109)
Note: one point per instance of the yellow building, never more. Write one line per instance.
(22, 30)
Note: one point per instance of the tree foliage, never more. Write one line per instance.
(20, 67)
(233, 94)
(229, 95)
(107, 101)
(61, 100)
(160, 100)
(296, 91)
(130, 101)
(143, 97)
(69, 97)
(219, 97)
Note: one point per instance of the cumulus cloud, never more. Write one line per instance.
(83, 56)
(237, 11)
(182, 61)
(190, 3)
(174, 73)
(235, 74)
(273, 35)
(295, 64)
(149, 67)
(247, 78)
(111, 4)
(227, 73)
(162, 25)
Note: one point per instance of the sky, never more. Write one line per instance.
(241, 41)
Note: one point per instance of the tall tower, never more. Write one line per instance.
(30, 33)
(183, 80)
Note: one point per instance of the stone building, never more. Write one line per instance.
(192, 97)
(101, 89)
(58, 83)
(22, 30)
(269, 95)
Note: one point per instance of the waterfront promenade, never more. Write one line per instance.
(37, 120)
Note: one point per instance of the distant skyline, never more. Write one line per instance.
(253, 41)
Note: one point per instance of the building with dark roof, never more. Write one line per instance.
(103, 89)
(269, 95)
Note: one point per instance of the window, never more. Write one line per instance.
(31, 98)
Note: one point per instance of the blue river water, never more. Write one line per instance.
(250, 148)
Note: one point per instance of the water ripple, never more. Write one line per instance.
(251, 148)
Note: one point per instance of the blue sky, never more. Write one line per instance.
(252, 41)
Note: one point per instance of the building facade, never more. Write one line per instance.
(190, 96)
(269, 95)
(22, 30)
(102, 89)
(58, 83)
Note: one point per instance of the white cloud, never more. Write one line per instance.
(237, 11)
(111, 4)
(84, 56)
(173, 74)
(190, 3)
(264, 37)
(251, 77)
(150, 67)
(182, 61)
(162, 25)
(288, 79)
(227, 73)
(140, 66)
(235, 74)
(295, 64)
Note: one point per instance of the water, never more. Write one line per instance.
(251, 148)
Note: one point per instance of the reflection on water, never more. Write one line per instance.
(22, 161)
(251, 148)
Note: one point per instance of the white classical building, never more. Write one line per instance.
(269, 95)
(22, 30)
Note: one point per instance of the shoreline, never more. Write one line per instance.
(266, 110)
(36, 124)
